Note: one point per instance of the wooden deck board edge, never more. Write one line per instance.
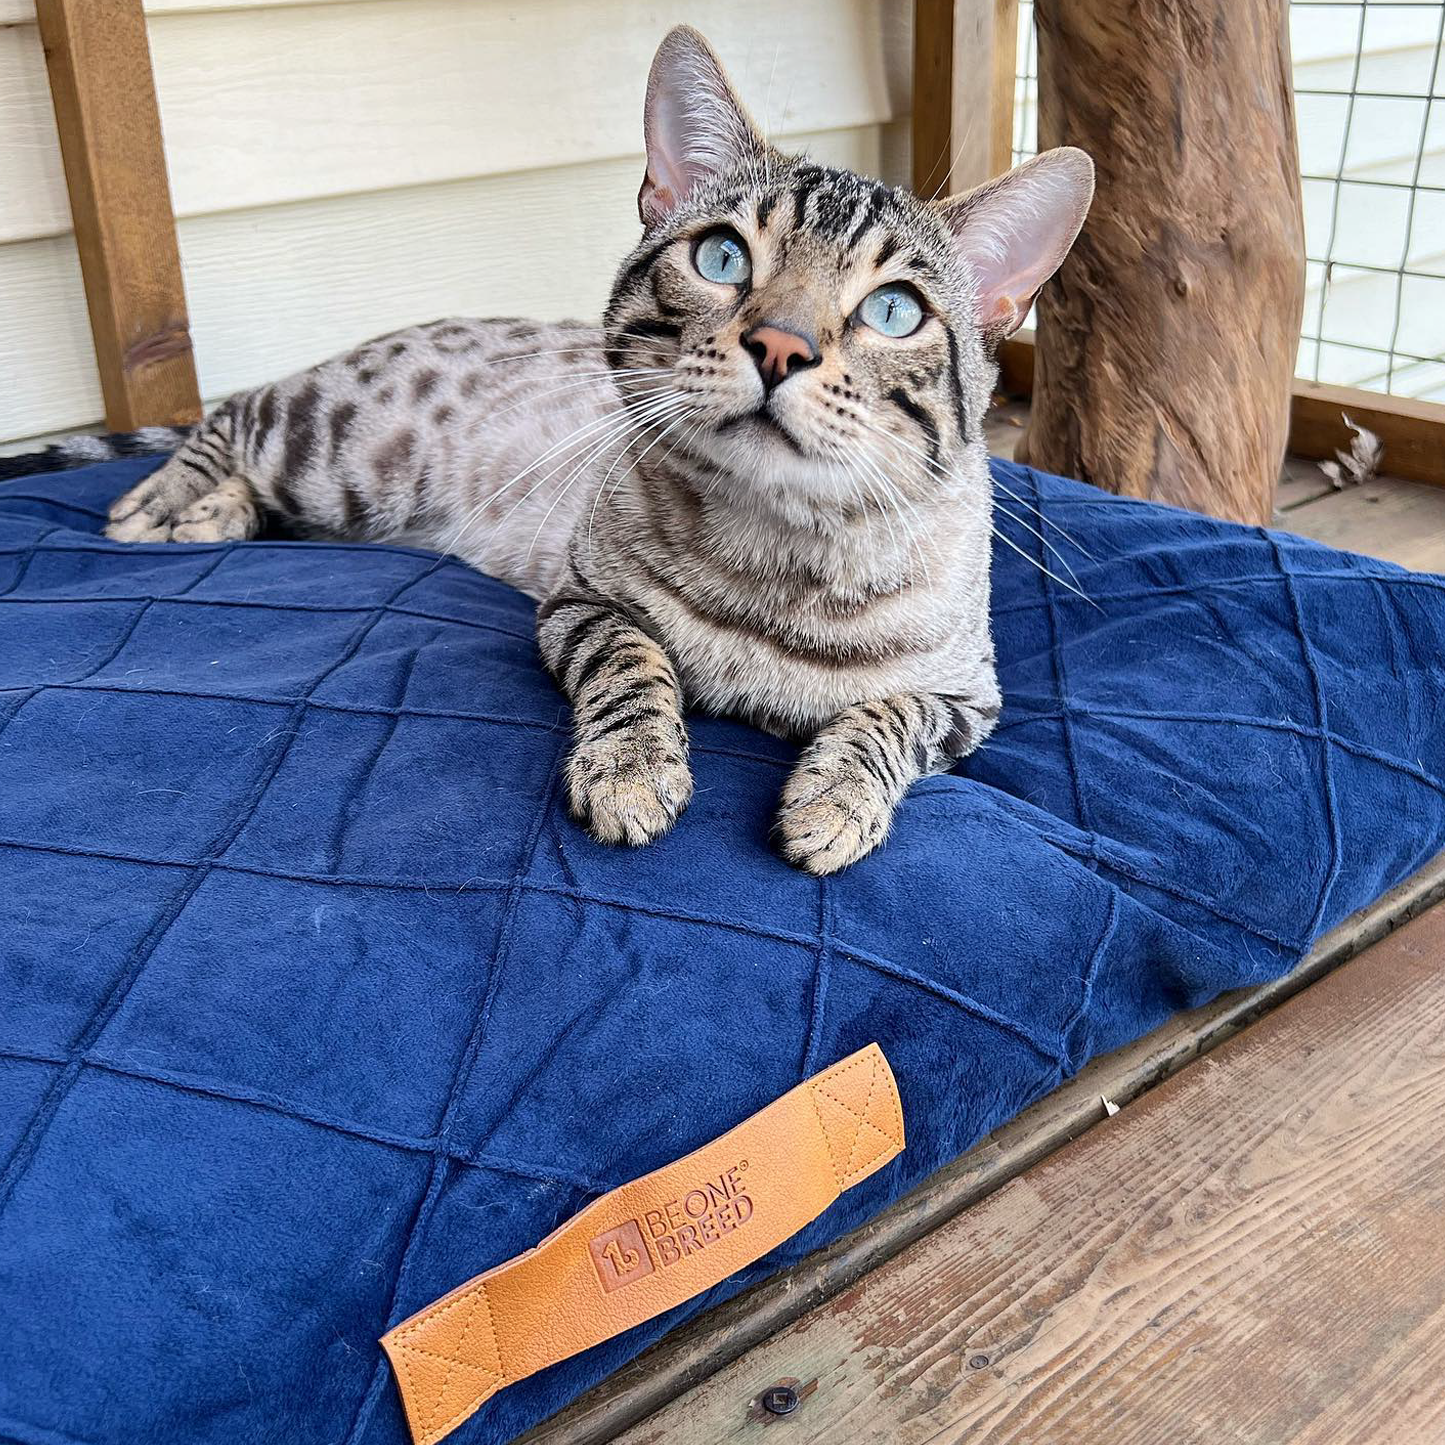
(700, 1348)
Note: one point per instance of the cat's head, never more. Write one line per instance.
(807, 330)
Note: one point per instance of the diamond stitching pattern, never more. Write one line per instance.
(934, 951)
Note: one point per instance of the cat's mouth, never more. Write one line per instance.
(762, 419)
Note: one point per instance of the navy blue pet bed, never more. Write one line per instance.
(314, 1004)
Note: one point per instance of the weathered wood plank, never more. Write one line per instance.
(1251, 1253)
(706, 1345)
(1402, 522)
(120, 201)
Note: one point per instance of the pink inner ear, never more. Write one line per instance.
(654, 201)
(1014, 232)
(999, 313)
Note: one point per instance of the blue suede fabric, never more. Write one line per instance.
(313, 1003)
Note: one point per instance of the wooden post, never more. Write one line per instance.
(1166, 345)
(963, 92)
(115, 170)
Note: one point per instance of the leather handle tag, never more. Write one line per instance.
(648, 1245)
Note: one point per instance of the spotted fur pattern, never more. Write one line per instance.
(813, 558)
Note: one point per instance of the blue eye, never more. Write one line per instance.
(894, 310)
(721, 255)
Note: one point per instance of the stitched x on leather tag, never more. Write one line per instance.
(648, 1245)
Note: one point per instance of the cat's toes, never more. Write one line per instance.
(146, 513)
(138, 527)
(625, 791)
(227, 514)
(830, 818)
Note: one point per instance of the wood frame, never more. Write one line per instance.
(104, 95)
(962, 49)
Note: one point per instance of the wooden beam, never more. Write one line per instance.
(120, 201)
(932, 116)
(1005, 47)
(964, 54)
(705, 1345)
(1413, 432)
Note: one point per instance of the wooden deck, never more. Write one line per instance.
(1249, 1251)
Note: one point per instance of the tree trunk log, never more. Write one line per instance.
(1166, 344)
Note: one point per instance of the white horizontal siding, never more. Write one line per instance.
(346, 168)
(280, 103)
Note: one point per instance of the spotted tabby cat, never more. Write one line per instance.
(758, 488)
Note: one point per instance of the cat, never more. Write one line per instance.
(760, 488)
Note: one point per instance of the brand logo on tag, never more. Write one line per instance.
(620, 1256)
(661, 1237)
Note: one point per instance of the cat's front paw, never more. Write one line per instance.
(832, 813)
(628, 786)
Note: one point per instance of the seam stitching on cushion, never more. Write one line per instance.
(822, 967)
(1322, 722)
(459, 1080)
(30, 1141)
(305, 608)
(1056, 661)
(28, 554)
(345, 814)
(959, 1000)
(1086, 993)
(436, 714)
(1142, 594)
(10, 496)
(120, 645)
(798, 940)
(1280, 725)
(1215, 910)
(282, 1108)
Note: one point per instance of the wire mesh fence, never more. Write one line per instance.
(1370, 103)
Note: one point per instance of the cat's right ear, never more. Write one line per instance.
(1013, 233)
(694, 125)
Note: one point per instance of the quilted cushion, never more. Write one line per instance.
(315, 1004)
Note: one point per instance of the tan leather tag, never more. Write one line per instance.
(648, 1245)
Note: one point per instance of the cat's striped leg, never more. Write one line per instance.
(838, 803)
(197, 496)
(627, 774)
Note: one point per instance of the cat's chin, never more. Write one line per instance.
(758, 461)
(765, 427)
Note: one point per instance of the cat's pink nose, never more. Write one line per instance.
(779, 351)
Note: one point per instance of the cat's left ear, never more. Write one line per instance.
(694, 124)
(1014, 232)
